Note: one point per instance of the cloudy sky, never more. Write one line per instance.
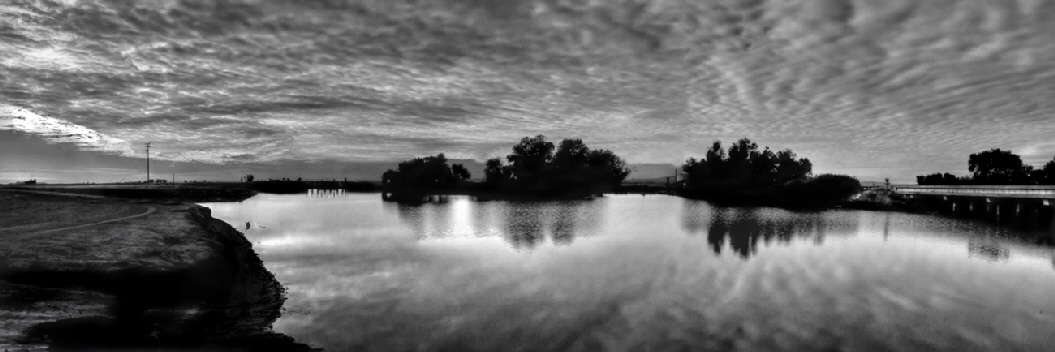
(874, 89)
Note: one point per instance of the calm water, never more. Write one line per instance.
(634, 273)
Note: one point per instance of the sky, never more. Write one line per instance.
(873, 89)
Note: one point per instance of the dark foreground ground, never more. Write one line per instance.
(196, 192)
(102, 273)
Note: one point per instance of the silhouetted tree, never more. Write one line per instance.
(431, 172)
(823, 189)
(249, 178)
(529, 158)
(1046, 175)
(495, 173)
(994, 167)
(460, 172)
(389, 177)
(940, 179)
(997, 166)
(609, 168)
(790, 169)
(744, 166)
(738, 164)
(570, 153)
(763, 166)
(534, 167)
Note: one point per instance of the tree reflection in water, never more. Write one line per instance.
(744, 228)
(524, 225)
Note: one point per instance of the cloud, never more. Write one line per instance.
(58, 131)
(905, 84)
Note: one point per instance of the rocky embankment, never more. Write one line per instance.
(109, 273)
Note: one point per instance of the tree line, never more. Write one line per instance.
(535, 166)
(995, 167)
(744, 165)
(743, 174)
(428, 173)
(538, 166)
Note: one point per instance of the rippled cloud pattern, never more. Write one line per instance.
(860, 87)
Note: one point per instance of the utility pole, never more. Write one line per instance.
(148, 162)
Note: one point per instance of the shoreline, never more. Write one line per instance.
(87, 271)
(172, 193)
(1037, 233)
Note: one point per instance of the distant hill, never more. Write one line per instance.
(650, 181)
(649, 172)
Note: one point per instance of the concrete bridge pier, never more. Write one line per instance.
(1006, 211)
(964, 207)
(961, 207)
(992, 210)
(978, 208)
(1050, 205)
(1016, 213)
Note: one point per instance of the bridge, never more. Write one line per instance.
(984, 191)
(1029, 207)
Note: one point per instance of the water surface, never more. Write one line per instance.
(638, 273)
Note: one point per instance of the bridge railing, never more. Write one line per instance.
(1025, 191)
(1033, 187)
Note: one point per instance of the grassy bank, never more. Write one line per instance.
(106, 273)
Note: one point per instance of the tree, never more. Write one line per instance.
(705, 171)
(1046, 175)
(390, 177)
(739, 160)
(249, 178)
(744, 165)
(571, 152)
(742, 150)
(431, 172)
(611, 170)
(995, 166)
(939, 179)
(460, 172)
(534, 167)
(823, 189)
(763, 166)
(495, 173)
(530, 157)
(715, 154)
(790, 169)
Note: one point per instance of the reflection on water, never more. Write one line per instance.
(745, 228)
(988, 249)
(643, 273)
(524, 225)
(326, 193)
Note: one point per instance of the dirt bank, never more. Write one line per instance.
(111, 273)
(212, 192)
